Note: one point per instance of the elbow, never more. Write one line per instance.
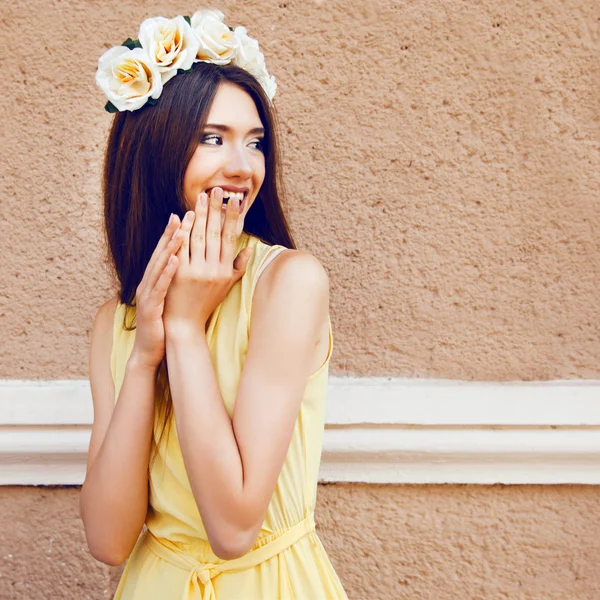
(108, 541)
(231, 546)
(101, 549)
(104, 552)
(231, 538)
(108, 557)
(229, 552)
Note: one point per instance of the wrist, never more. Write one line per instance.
(184, 332)
(141, 364)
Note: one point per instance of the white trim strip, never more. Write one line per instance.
(378, 430)
(46, 402)
(440, 402)
(479, 456)
(357, 400)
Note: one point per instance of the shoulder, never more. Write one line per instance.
(290, 316)
(102, 330)
(293, 283)
(292, 272)
(103, 321)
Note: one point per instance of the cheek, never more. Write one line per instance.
(189, 177)
(259, 172)
(195, 176)
(259, 178)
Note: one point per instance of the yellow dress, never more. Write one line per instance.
(172, 558)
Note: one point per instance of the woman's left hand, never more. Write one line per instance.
(207, 267)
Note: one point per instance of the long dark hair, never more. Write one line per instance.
(146, 157)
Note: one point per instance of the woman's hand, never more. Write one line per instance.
(149, 346)
(207, 268)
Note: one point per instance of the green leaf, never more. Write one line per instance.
(182, 71)
(110, 107)
(152, 101)
(131, 44)
(189, 21)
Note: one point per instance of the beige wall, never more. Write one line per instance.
(443, 160)
(386, 543)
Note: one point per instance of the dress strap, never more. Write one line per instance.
(270, 256)
(201, 575)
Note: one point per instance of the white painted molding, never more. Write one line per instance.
(378, 430)
(439, 402)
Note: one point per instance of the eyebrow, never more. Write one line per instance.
(227, 129)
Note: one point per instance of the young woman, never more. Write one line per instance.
(209, 367)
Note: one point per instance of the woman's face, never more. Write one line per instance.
(229, 153)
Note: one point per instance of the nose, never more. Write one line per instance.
(237, 164)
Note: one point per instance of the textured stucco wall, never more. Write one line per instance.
(442, 160)
(386, 543)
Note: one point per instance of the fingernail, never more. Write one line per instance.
(171, 219)
(203, 199)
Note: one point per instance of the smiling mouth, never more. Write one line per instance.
(229, 195)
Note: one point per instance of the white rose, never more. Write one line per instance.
(170, 43)
(128, 77)
(268, 84)
(217, 43)
(250, 58)
(248, 55)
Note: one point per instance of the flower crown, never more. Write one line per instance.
(134, 73)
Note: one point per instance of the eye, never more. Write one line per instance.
(258, 144)
(211, 139)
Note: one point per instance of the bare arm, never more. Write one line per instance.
(233, 466)
(114, 496)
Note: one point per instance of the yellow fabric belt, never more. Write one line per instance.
(205, 573)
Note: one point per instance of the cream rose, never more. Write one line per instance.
(170, 43)
(250, 58)
(248, 55)
(128, 77)
(268, 83)
(217, 42)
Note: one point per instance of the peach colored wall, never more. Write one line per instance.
(443, 160)
(386, 543)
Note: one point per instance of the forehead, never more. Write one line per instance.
(235, 108)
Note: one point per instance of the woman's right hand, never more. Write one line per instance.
(149, 346)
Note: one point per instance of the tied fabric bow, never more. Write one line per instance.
(201, 574)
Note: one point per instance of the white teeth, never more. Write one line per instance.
(232, 195)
